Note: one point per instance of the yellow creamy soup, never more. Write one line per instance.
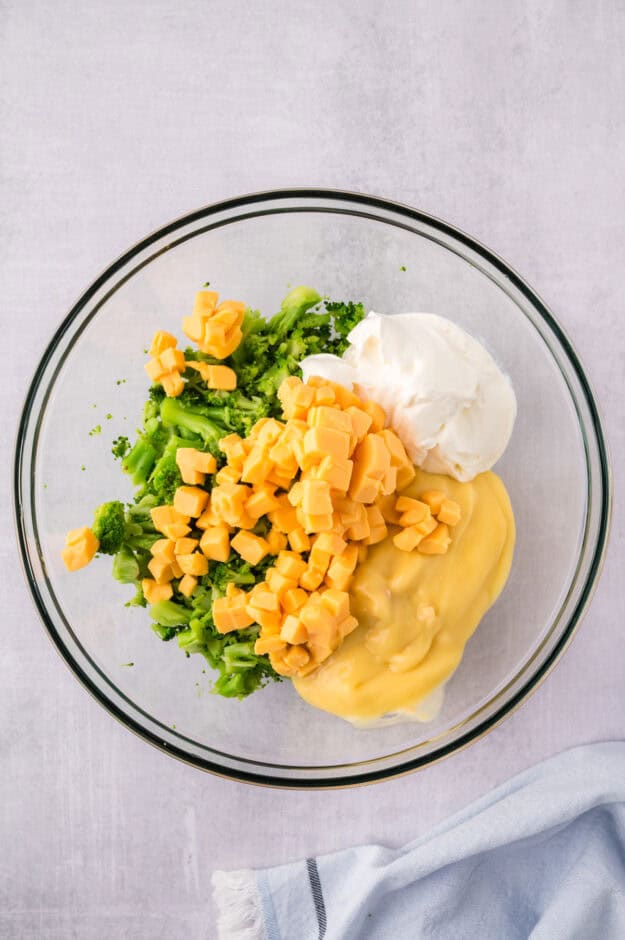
(416, 612)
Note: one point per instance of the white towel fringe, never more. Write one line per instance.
(239, 910)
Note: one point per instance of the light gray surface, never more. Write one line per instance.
(508, 121)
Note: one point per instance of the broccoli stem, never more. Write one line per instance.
(139, 462)
(296, 303)
(176, 415)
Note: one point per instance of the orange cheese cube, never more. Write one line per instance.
(293, 630)
(386, 505)
(389, 481)
(359, 529)
(269, 620)
(278, 582)
(268, 644)
(376, 413)
(190, 500)
(327, 543)
(407, 539)
(296, 657)
(220, 377)
(291, 565)
(228, 501)
(405, 476)
(317, 619)
(233, 447)
(172, 359)
(412, 511)
(204, 462)
(252, 548)
(187, 585)
(362, 487)
(185, 546)
(374, 516)
(316, 500)
(323, 441)
(434, 499)
(80, 547)
(348, 509)
(261, 502)
(194, 563)
(230, 614)
(399, 457)
(176, 570)
(166, 516)
(360, 420)
(284, 518)
(164, 548)
(257, 465)
(342, 567)
(193, 327)
(173, 384)
(276, 541)
(187, 469)
(314, 522)
(346, 626)
(373, 456)
(269, 432)
(160, 569)
(176, 530)
(298, 540)
(325, 395)
(155, 369)
(162, 341)
(215, 543)
(337, 473)
(263, 598)
(336, 602)
(154, 592)
(449, 513)
(282, 456)
(204, 303)
(227, 475)
(437, 542)
(311, 579)
(293, 599)
(376, 534)
(321, 416)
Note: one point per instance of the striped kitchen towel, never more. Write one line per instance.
(541, 857)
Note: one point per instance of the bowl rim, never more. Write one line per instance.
(596, 561)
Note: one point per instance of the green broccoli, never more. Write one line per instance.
(109, 526)
(165, 477)
(140, 460)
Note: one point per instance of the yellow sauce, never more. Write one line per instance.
(416, 612)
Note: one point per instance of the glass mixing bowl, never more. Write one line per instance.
(348, 246)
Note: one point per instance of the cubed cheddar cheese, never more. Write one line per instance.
(187, 585)
(412, 511)
(449, 513)
(80, 547)
(168, 520)
(293, 630)
(154, 592)
(220, 377)
(164, 548)
(227, 475)
(257, 465)
(293, 599)
(437, 542)
(298, 539)
(204, 303)
(228, 501)
(434, 499)
(335, 472)
(215, 543)
(190, 500)
(230, 613)
(252, 548)
(185, 546)
(161, 341)
(195, 563)
(172, 384)
(290, 564)
(262, 501)
(316, 499)
(268, 644)
(172, 359)
(276, 540)
(324, 441)
(377, 415)
(322, 416)
(386, 503)
(361, 422)
(342, 567)
(160, 569)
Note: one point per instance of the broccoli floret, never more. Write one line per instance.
(121, 446)
(109, 526)
(294, 305)
(165, 478)
(170, 614)
(175, 414)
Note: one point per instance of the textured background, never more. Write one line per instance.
(505, 119)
